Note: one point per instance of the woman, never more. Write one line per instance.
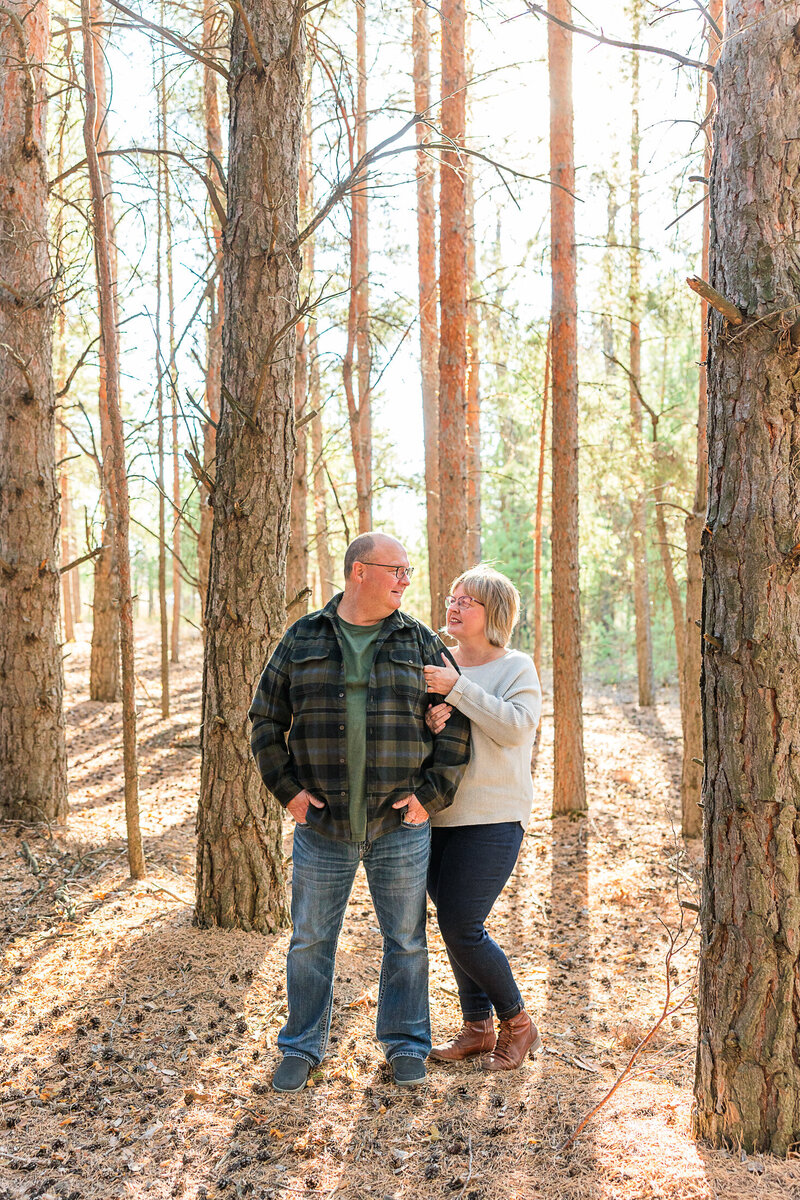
(476, 841)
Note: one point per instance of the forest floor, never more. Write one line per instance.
(137, 1050)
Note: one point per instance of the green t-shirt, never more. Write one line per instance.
(358, 648)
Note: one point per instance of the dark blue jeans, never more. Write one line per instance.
(322, 879)
(470, 865)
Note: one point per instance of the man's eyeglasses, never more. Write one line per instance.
(461, 602)
(398, 572)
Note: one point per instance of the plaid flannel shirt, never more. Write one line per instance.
(302, 694)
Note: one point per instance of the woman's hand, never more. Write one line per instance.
(437, 717)
(441, 679)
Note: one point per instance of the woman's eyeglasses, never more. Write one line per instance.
(461, 602)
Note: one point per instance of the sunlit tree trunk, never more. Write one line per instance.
(569, 787)
(473, 382)
(641, 578)
(104, 676)
(118, 480)
(539, 517)
(428, 312)
(691, 708)
(33, 778)
(747, 1087)
(297, 559)
(361, 219)
(171, 375)
(163, 618)
(239, 862)
(453, 549)
(216, 302)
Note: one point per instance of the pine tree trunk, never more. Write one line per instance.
(453, 549)
(240, 880)
(297, 569)
(361, 218)
(641, 575)
(473, 382)
(539, 517)
(104, 675)
(691, 708)
(33, 779)
(118, 489)
(747, 1085)
(163, 619)
(66, 540)
(172, 378)
(216, 306)
(428, 314)
(569, 786)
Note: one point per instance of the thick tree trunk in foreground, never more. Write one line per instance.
(428, 313)
(239, 863)
(116, 450)
(33, 778)
(453, 549)
(691, 709)
(641, 575)
(569, 786)
(747, 1085)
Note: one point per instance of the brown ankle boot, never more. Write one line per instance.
(517, 1037)
(474, 1037)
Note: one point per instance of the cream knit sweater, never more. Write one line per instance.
(503, 701)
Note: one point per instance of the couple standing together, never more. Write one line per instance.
(433, 795)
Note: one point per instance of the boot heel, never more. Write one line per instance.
(536, 1047)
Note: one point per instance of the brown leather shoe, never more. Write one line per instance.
(474, 1037)
(517, 1037)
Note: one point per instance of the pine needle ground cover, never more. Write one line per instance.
(137, 1050)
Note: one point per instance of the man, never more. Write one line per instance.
(359, 772)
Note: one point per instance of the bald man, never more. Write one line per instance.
(340, 739)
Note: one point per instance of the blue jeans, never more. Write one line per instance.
(324, 871)
(470, 865)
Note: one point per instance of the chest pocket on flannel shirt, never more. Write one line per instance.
(405, 666)
(311, 674)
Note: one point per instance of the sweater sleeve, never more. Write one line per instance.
(508, 719)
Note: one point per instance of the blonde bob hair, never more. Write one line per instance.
(499, 598)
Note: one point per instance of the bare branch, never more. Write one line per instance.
(76, 562)
(716, 299)
(171, 37)
(213, 194)
(601, 39)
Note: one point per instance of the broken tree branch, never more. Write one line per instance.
(715, 299)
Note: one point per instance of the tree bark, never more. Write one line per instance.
(33, 779)
(297, 572)
(428, 314)
(172, 376)
(361, 252)
(240, 880)
(215, 308)
(691, 708)
(163, 619)
(104, 676)
(116, 450)
(641, 575)
(453, 549)
(569, 786)
(473, 381)
(538, 518)
(747, 1085)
